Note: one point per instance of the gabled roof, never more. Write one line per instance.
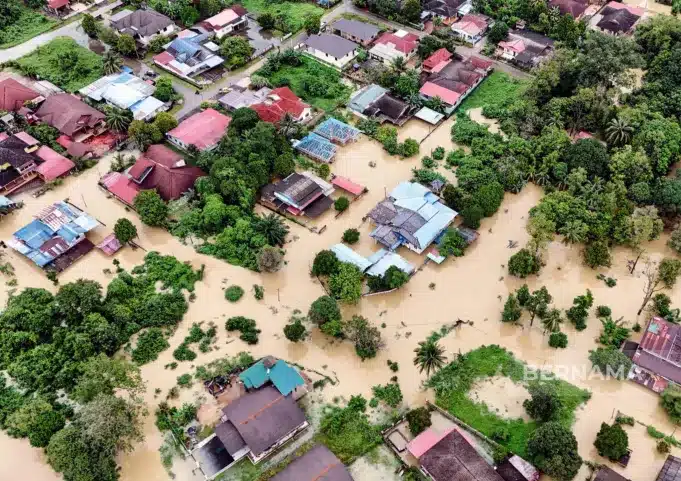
(430, 89)
(278, 103)
(516, 45)
(225, 17)
(13, 152)
(618, 17)
(401, 41)
(13, 95)
(142, 22)
(282, 375)
(361, 30)
(349, 256)
(204, 129)
(54, 165)
(318, 464)
(660, 349)
(68, 114)
(437, 60)
(471, 24)
(671, 471)
(337, 47)
(570, 7)
(57, 3)
(604, 473)
(445, 8)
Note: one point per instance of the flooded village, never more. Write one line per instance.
(268, 407)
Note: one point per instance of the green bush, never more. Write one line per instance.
(341, 204)
(523, 263)
(184, 380)
(325, 263)
(183, 353)
(391, 394)
(234, 293)
(612, 442)
(558, 340)
(663, 447)
(149, 345)
(324, 309)
(247, 327)
(603, 311)
(419, 420)
(295, 331)
(439, 153)
(258, 292)
(351, 236)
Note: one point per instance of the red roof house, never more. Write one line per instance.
(13, 95)
(279, 102)
(54, 164)
(57, 4)
(401, 41)
(120, 187)
(437, 61)
(203, 130)
(431, 90)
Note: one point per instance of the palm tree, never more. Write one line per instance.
(273, 228)
(436, 104)
(287, 125)
(414, 100)
(118, 119)
(111, 63)
(618, 131)
(574, 232)
(398, 64)
(429, 356)
(552, 320)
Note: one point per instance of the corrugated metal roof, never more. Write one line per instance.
(388, 260)
(346, 254)
(284, 377)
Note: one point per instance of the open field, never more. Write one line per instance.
(497, 89)
(28, 25)
(294, 13)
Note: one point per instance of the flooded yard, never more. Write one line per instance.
(470, 288)
(502, 396)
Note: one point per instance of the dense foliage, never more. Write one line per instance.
(553, 449)
(612, 442)
(419, 420)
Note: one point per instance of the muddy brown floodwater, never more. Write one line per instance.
(472, 287)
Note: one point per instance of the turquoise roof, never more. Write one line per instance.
(284, 377)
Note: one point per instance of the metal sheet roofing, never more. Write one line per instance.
(388, 260)
(284, 377)
(429, 115)
(347, 255)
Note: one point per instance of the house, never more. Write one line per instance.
(657, 359)
(202, 130)
(452, 80)
(125, 91)
(447, 455)
(56, 237)
(515, 468)
(671, 471)
(575, 8)
(278, 103)
(239, 98)
(411, 216)
(13, 95)
(277, 372)
(332, 49)
(189, 55)
(524, 48)
(436, 61)
(143, 25)
(356, 31)
(337, 132)
(348, 255)
(390, 46)
(382, 260)
(158, 168)
(446, 10)
(375, 102)
(23, 160)
(617, 18)
(228, 21)
(472, 27)
(71, 116)
(604, 473)
(318, 464)
(58, 6)
(298, 194)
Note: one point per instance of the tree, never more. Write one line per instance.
(111, 63)
(346, 283)
(312, 24)
(419, 420)
(429, 356)
(236, 51)
(341, 203)
(273, 228)
(612, 442)
(210, 8)
(144, 134)
(538, 303)
(266, 21)
(497, 33)
(36, 420)
(643, 225)
(164, 89)
(126, 45)
(394, 278)
(523, 263)
(110, 423)
(325, 263)
(189, 15)
(117, 119)
(270, 259)
(151, 208)
(512, 310)
(124, 230)
(411, 11)
(295, 331)
(597, 254)
(452, 243)
(610, 362)
(105, 375)
(668, 271)
(551, 320)
(657, 279)
(243, 120)
(674, 241)
(558, 340)
(544, 404)
(579, 311)
(553, 449)
(618, 131)
(671, 402)
(631, 166)
(590, 155)
(366, 338)
(351, 236)
(398, 64)
(89, 25)
(472, 214)
(324, 309)
(165, 122)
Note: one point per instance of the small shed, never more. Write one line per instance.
(110, 245)
(429, 115)
(349, 256)
(316, 147)
(347, 185)
(337, 131)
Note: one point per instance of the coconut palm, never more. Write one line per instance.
(111, 63)
(273, 228)
(287, 125)
(429, 356)
(118, 119)
(414, 100)
(552, 320)
(574, 232)
(399, 64)
(618, 131)
(436, 104)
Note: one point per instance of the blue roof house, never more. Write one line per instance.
(286, 378)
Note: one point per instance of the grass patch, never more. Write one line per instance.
(27, 26)
(497, 90)
(348, 433)
(64, 63)
(453, 382)
(293, 13)
(308, 79)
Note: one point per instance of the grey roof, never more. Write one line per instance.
(671, 471)
(333, 45)
(264, 417)
(606, 474)
(357, 29)
(318, 464)
(230, 437)
(142, 22)
(365, 97)
(617, 20)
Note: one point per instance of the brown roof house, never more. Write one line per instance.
(657, 359)
(617, 18)
(604, 473)
(254, 425)
(575, 8)
(375, 102)
(143, 25)
(299, 194)
(318, 464)
(71, 116)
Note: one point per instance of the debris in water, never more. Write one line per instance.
(274, 310)
(512, 244)
(407, 334)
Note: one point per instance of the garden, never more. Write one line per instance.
(18, 24)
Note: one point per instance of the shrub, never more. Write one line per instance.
(512, 311)
(472, 214)
(544, 403)
(603, 311)
(452, 243)
(612, 442)
(295, 331)
(394, 367)
(341, 204)
(428, 162)
(357, 403)
(351, 236)
(183, 353)
(391, 394)
(325, 263)
(149, 344)
(346, 283)
(366, 337)
(184, 380)
(597, 254)
(324, 309)
(579, 311)
(151, 208)
(234, 293)
(258, 292)
(610, 361)
(247, 327)
(408, 148)
(419, 420)
(675, 240)
(663, 447)
(124, 230)
(333, 328)
(671, 402)
(439, 153)
(558, 340)
(523, 263)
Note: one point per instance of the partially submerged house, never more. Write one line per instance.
(671, 471)
(390, 46)
(202, 130)
(524, 48)
(277, 372)
(228, 21)
(71, 116)
(189, 55)
(280, 102)
(472, 27)
(337, 132)
(604, 473)
(411, 216)
(376, 264)
(13, 95)
(158, 168)
(515, 468)
(617, 18)
(23, 160)
(575, 8)
(298, 194)
(446, 10)
(143, 25)
(316, 147)
(375, 102)
(56, 238)
(332, 49)
(359, 32)
(318, 464)
(657, 359)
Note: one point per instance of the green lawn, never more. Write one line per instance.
(310, 78)
(453, 382)
(64, 63)
(25, 28)
(294, 13)
(497, 90)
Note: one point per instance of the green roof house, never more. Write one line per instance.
(286, 378)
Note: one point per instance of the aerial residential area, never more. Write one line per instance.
(337, 240)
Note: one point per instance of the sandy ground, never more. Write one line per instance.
(472, 287)
(502, 396)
